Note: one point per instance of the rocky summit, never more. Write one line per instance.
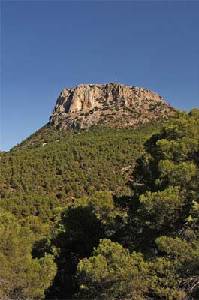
(112, 105)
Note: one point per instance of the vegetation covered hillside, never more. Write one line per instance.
(62, 164)
(102, 214)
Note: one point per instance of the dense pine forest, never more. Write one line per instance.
(102, 213)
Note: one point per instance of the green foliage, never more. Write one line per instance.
(179, 174)
(64, 164)
(167, 176)
(112, 273)
(185, 254)
(161, 210)
(79, 229)
(22, 277)
(164, 280)
(164, 219)
(184, 257)
(31, 205)
(102, 214)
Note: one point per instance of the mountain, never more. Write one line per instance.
(102, 202)
(112, 105)
(65, 163)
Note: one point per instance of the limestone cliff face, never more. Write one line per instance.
(112, 105)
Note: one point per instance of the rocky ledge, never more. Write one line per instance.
(112, 105)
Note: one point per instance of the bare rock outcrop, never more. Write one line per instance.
(112, 105)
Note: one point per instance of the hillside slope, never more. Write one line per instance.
(63, 164)
(143, 245)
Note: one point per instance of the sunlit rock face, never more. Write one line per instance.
(112, 105)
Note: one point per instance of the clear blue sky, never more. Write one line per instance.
(49, 45)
